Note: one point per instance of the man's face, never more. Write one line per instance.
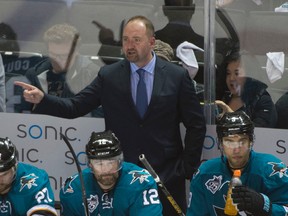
(106, 172)
(58, 53)
(136, 44)
(237, 149)
(6, 179)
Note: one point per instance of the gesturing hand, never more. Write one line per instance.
(249, 200)
(223, 106)
(30, 93)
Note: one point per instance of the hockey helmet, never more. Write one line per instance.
(103, 145)
(8, 154)
(237, 122)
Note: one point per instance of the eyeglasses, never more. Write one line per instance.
(236, 144)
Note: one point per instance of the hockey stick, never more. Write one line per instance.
(80, 175)
(71, 51)
(160, 184)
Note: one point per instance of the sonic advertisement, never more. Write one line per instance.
(39, 142)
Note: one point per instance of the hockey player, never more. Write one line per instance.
(24, 189)
(113, 187)
(264, 177)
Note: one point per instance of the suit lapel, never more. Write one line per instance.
(125, 82)
(159, 80)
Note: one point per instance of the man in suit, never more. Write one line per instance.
(171, 100)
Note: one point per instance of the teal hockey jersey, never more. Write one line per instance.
(30, 191)
(135, 193)
(264, 173)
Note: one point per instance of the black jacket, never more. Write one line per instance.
(282, 111)
(258, 103)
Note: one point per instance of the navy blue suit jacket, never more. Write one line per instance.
(157, 135)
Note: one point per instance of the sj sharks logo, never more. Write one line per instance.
(278, 168)
(28, 180)
(67, 188)
(139, 175)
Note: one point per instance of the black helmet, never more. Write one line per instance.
(234, 123)
(103, 145)
(8, 154)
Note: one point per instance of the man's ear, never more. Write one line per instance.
(251, 144)
(221, 147)
(88, 163)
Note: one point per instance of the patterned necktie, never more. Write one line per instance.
(141, 95)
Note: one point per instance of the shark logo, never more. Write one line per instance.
(278, 168)
(139, 175)
(67, 188)
(28, 180)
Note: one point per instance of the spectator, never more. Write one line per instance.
(113, 187)
(247, 94)
(264, 177)
(2, 87)
(8, 38)
(163, 50)
(15, 64)
(179, 29)
(24, 189)
(282, 110)
(155, 134)
(110, 49)
(65, 72)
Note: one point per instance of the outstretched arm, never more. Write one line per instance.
(31, 93)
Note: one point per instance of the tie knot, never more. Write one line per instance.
(140, 72)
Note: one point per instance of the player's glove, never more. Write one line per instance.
(250, 201)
